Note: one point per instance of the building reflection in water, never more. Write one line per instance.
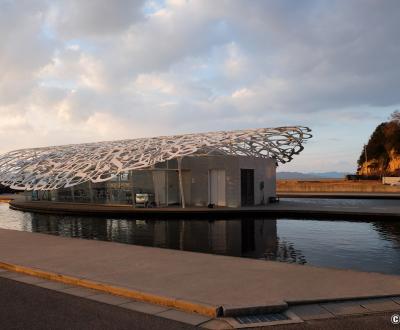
(389, 230)
(252, 238)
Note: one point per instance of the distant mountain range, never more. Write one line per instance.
(311, 175)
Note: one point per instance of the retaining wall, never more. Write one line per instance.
(362, 186)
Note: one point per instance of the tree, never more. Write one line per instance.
(375, 148)
(395, 117)
(383, 146)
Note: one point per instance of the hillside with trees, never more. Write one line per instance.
(381, 155)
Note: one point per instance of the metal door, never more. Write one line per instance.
(217, 187)
(247, 186)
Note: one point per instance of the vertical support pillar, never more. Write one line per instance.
(180, 182)
(73, 193)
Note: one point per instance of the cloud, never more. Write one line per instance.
(93, 18)
(23, 50)
(76, 71)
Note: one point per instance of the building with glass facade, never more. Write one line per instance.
(232, 169)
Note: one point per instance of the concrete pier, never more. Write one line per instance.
(206, 284)
(296, 209)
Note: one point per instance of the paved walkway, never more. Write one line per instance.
(190, 278)
(285, 208)
(27, 306)
(74, 308)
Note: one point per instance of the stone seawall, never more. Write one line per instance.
(321, 186)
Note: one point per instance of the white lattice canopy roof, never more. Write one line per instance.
(66, 166)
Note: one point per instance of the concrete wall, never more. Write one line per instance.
(264, 170)
(199, 168)
(395, 180)
(362, 186)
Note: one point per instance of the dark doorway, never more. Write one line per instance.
(247, 186)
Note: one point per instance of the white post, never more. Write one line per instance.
(180, 181)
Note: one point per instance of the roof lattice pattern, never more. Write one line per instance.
(65, 166)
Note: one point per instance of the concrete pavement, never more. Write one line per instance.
(31, 307)
(187, 279)
(52, 305)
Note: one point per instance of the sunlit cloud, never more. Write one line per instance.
(79, 71)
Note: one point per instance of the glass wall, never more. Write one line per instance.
(143, 188)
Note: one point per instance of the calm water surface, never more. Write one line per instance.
(367, 246)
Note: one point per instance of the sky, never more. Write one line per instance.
(84, 71)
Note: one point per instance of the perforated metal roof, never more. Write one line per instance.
(65, 166)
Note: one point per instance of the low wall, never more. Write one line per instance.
(321, 186)
(391, 180)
